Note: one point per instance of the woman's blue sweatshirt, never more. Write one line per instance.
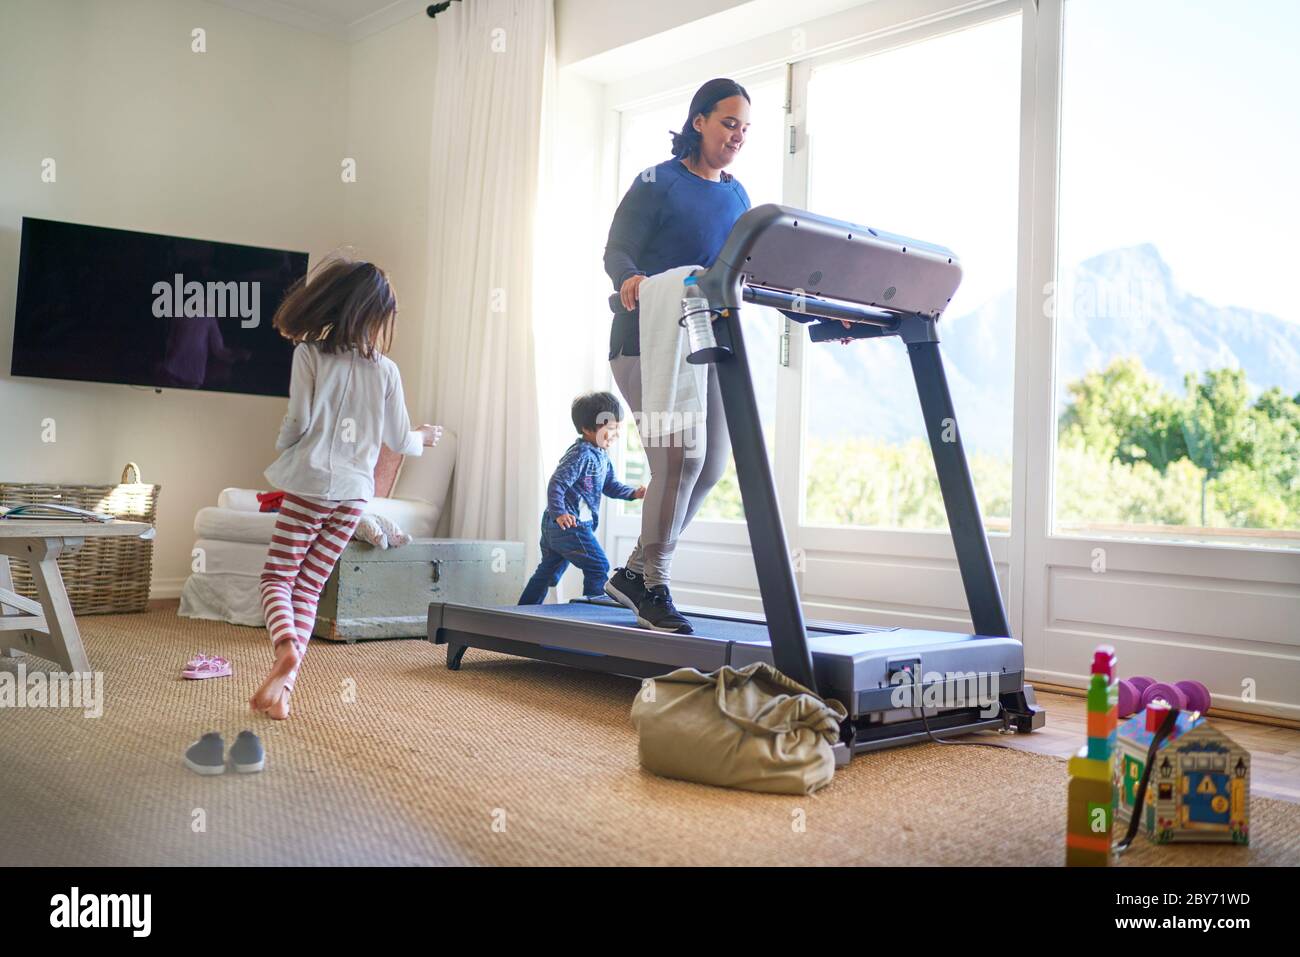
(669, 217)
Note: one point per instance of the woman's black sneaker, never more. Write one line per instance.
(626, 587)
(656, 611)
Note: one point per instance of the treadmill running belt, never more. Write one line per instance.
(706, 626)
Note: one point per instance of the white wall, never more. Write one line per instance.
(238, 144)
(390, 104)
(584, 28)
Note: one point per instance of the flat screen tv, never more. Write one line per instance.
(112, 305)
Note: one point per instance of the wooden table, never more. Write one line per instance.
(47, 628)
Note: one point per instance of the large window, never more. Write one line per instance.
(1118, 182)
(1177, 383)
(923, 141)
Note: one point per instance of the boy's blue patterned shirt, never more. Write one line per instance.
(584, 474)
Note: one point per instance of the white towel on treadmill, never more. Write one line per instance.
(673, 392)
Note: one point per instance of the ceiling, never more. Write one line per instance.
(345, 19)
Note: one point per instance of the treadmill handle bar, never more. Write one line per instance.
(816, 308)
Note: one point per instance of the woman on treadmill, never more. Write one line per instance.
(676, 214)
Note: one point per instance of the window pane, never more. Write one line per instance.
(1178, 337)
(923, 141)
(644, 143)
(759, 167)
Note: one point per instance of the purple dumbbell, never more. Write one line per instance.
(1172, 693)
(1130, 694)
(1197, 695)
(1129, 698)
(1142, 683)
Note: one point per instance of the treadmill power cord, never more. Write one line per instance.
(925, 723)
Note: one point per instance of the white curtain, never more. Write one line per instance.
(495, 77)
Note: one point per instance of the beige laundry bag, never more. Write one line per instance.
(752, 728)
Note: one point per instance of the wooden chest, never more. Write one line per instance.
(385, 593)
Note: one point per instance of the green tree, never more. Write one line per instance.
(1277, 442)
(1128, 453)
(1243, 458)
(1219, 426)
(1123, 412)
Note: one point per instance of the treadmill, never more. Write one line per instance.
(899, 685)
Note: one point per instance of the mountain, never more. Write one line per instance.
(1121, 302)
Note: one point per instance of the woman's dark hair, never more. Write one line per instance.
(595, 409)
(342, 304)
(705, 101)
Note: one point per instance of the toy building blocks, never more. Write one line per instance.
(1090, 799)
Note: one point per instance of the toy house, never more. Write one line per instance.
(1199, 788)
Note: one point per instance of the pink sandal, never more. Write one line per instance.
(206, 666)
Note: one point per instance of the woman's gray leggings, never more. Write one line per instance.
(683, 469)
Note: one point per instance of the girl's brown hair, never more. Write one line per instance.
(342, 304)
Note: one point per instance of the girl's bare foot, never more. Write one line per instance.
(279, 709)
(267, 696)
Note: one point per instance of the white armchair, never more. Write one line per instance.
(231, 537)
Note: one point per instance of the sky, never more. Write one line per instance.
(1177, 128)
(923, 141)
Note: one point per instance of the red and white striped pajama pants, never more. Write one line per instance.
(310, 535)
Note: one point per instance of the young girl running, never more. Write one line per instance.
(345, 397)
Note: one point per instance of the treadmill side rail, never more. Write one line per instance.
(588, 641)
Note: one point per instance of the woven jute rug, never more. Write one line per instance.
(389, 758)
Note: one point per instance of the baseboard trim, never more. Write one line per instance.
(161, 588)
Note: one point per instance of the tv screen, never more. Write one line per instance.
(112, 305)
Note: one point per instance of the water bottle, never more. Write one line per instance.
(698, 320)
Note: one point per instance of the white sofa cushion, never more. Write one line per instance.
(240, 499)
(424, 479)
(418, 519)
(224, 557)
(234, 524)
(427, 477)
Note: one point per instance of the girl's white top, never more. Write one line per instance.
(341, 407)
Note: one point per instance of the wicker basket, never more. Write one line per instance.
(105, 575)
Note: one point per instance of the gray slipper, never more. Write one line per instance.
(247, 754)
(207, 755)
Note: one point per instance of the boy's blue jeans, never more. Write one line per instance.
(562, 547)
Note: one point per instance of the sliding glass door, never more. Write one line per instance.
(920, 137)
(1123, 352)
